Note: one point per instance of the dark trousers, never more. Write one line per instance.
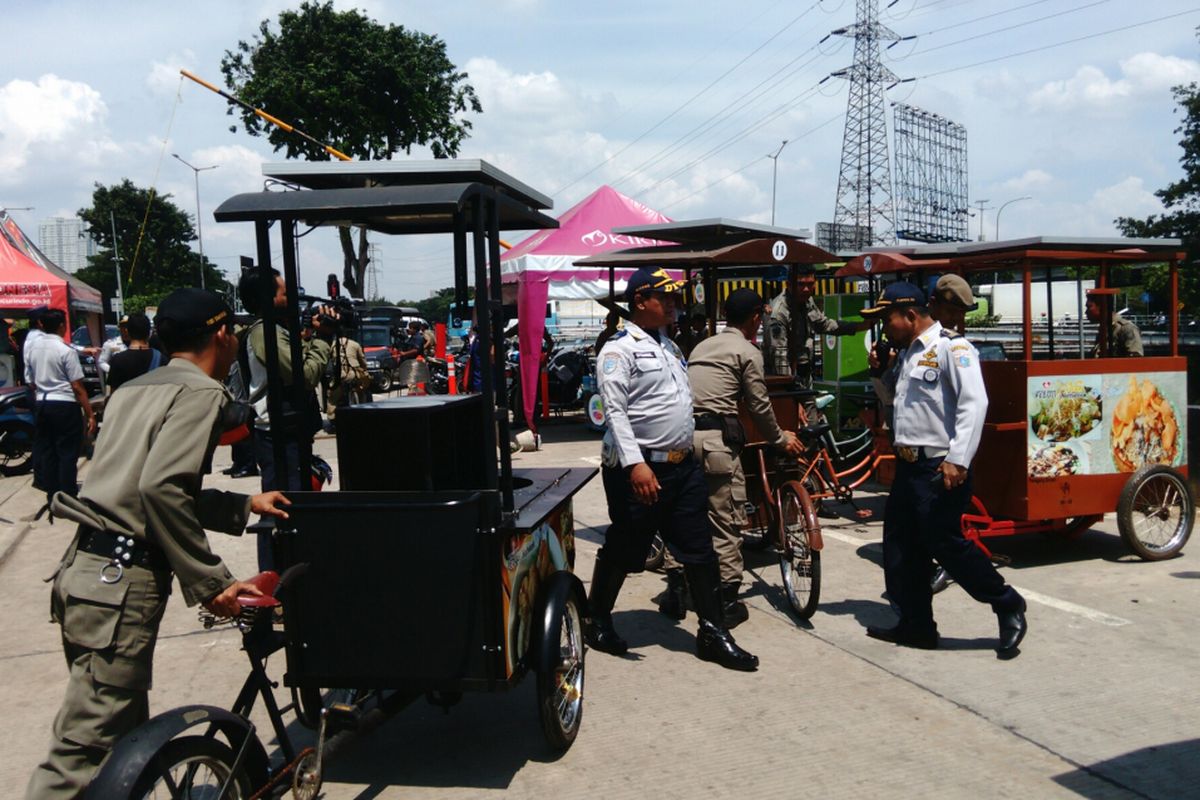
(285, 477)
(922, 521)
(242, 454)
(680, 514)
(57, 438)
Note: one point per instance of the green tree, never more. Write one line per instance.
(1181, 219)
(164, 259)
(369, 90)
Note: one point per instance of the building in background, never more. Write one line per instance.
(66, 241)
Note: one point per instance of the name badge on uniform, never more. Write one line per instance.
(646, 362)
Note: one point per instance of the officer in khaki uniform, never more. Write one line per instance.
(724, 370)
(142, 515)
(1124, 338)
(789, 327)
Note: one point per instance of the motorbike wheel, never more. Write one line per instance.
(16, 448)
(192, 766)
(382, 382)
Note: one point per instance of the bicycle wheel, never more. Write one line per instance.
(657, 553)
(758, 533)
(799, 563)
(194, 767)
(560, 677)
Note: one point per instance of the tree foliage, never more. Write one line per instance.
(367, 89)
(1181, 198)
(165, 260)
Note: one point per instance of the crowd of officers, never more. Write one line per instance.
(671, 465)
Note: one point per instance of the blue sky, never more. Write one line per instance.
(637, 94)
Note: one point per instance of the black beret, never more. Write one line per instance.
(741, 303)
(194, 310)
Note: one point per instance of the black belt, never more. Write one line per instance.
(712, 422)
(125, 550)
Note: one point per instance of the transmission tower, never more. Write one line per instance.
(864, 214)
(372, 292)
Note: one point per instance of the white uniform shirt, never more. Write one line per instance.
(51, 365)
(646, 394)
(109, 349)
(940, 398)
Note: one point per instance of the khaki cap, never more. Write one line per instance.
(954, 290)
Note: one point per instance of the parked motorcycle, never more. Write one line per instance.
(16, 431)
(569, 370)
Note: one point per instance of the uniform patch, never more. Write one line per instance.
(610, 364)
(960, 346)
(964, 361)
(930, 353)
(928, 362)
(930, 375)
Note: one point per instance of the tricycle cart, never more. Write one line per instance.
(434, 571)
(780, 511)
(1068, 439)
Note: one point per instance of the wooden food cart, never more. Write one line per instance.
(1068, 438)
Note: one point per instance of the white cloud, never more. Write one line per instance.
(52, 112)
(507, 94)
(164, 75)
(1089, 87)
(1030, 179)
(1127, 198)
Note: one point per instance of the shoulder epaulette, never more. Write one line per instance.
(949, 334)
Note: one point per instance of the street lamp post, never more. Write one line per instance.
(775, 175)
(199, 229)
(1004, 206)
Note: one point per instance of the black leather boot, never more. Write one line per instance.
(713, 641)
(606, 585)
(674, 599)
(735, 610)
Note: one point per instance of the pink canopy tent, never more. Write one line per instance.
(543, 268)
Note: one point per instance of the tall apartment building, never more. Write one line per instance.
(66, 241)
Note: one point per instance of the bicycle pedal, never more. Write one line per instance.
(342, 716)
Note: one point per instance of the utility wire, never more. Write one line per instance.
(1007, 28)
(693, 98)
(1063, 43)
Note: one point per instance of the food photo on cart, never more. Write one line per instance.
(491, 547)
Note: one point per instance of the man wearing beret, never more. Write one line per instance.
(142, 515)
(940, 406)
(651, 481)
(725, 370)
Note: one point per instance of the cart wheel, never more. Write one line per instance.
(560, 673)
(306, 779)
(939, 579)
(799, 563)
(1156, 512)
(758, 535)
(382, 382)
(192, 766)
(657, 554)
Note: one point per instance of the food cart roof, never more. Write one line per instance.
(1048, 250)
(360, 174)
(775, 250)
(710, 231)
(421, 208)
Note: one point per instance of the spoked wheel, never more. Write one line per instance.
(16, 448)
(799, 563)
(382, 382)
(1156, 512)
(560, 677)
(759, 532)
(309, 703)
(939, 579)
(657, 554)
(193, 767)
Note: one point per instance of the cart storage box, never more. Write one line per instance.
(413, 444)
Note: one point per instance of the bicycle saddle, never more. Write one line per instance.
(814, 431)
(265, 582)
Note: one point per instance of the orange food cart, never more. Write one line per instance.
(1068, 439)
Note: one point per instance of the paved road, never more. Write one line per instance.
(1099, 704)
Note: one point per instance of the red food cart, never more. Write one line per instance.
(1069, 438)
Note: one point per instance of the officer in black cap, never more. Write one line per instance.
(940, 405)
(142, 516)
(651, 481)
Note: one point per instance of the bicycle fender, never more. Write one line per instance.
(129, 758)
(816, 541)
(554, 593)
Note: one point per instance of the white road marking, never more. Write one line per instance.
(1073, 608)
(592, 460)
(1091, 614)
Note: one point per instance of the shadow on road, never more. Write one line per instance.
(1166, 770)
